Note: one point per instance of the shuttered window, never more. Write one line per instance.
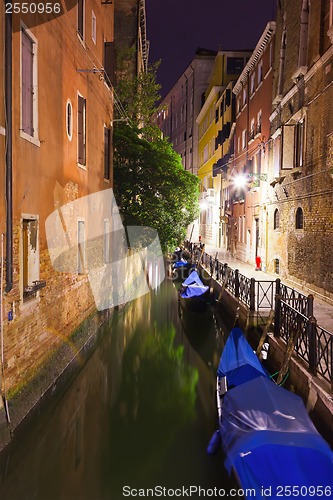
(81, 130)
(109, 63)
(80, 18)
(107, 151)
(27, 84)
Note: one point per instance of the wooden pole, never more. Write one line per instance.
(265, 331)
(289, 352)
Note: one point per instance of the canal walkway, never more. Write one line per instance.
(323, 308)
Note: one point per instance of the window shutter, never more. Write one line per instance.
(288, 138)
(109, 63)
(27, 84)
(81, 130)
(228, 95)
(80, 17)
(107, 144)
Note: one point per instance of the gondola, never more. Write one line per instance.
(181, 269)
(271, 446)
(193, 294)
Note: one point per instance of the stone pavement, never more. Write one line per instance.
(323, 310)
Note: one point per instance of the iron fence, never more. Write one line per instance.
(293, 311)
(313, 343)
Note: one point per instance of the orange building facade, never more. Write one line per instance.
(59, 129)
(248, 172)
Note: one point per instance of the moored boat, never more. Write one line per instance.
(270, 443)
(193, 294)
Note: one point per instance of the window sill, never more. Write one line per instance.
(83, 167)
(33, 140)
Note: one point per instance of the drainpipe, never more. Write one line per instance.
(9, 177)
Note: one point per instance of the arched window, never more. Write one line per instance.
(69, 120)
(276, 219)
(299, 219)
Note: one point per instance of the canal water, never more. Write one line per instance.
(138, 415)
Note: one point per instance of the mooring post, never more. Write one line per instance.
(252, 294)
(236, 283)
(277, 314)
(310, 305)
(312, 339)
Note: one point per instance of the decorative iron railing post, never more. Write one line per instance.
(211, 265)
(312, 329)
(252, 294)
(277, 314)
(236, 283)
(310, 305)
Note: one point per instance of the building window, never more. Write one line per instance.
(277, 266)
(29, 88)
(277, 155)
(244, 96)
(260, 75)
(235, 65)
(299, 219)
(244, 139)
(299, 143)
(327, 26)
(259, 118)
(81, 246)
(276, 219)
(93, 27)
(252, 129)
(30, 267)
(81, 130)
(252, 86)
(69, 120)
(80, 18)
(109, 63)
(107, 152)
(106, 246)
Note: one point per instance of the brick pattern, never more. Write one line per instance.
(305, 254)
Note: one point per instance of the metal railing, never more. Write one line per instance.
(293, 312)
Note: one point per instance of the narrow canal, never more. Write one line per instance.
(138, 415)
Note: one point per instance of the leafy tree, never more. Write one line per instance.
(151, 186)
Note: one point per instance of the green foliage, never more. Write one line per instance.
(139, 97)
(151, 186)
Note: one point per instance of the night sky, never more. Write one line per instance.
(176, 28)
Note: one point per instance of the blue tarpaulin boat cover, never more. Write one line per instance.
(180, 263)
(193, 278)
(271, 442)
(238, 361)
(194, 291)
(193, 286)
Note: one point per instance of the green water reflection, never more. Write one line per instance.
(140, 413)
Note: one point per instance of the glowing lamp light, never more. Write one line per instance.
(240, 181)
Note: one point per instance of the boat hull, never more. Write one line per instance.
(196, 304)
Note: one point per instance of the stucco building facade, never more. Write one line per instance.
(181, 107)
(248, 173)
(59, 130)
(301, 183)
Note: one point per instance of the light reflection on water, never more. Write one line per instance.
(140, 413)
